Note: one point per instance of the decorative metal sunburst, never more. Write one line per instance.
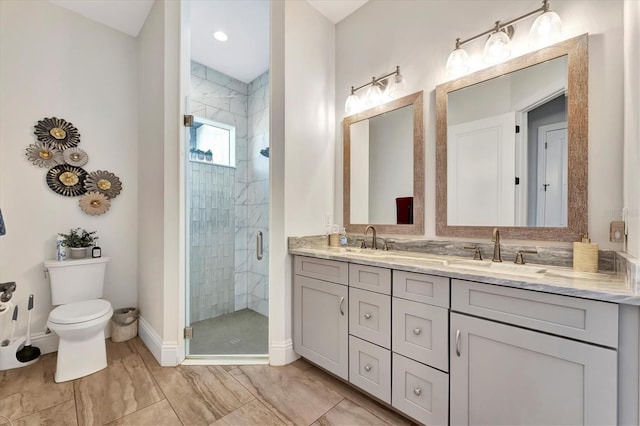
(94, 203)
(104, 182)
(75, 157)
(57, 131)
(43, 154)
(67, 180)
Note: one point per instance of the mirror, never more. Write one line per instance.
(511, 147)
(384, 168)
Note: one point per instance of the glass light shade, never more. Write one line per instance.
(396, 89)
(373, 96)
(353, 104)
(546, 30)
(497, 48)
(458, 63)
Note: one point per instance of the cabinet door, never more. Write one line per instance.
(502, 374)
(370, 316)
(321, 312)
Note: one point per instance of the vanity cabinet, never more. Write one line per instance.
(503, 374)
(450, 351)
(321, 312)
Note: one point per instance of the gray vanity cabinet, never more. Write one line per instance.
(321, 312)
(505, 374)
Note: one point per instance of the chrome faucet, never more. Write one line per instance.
(375, 243)
(496, 246)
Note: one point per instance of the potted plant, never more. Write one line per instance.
(200, 154)
(208, 155)
(77, 241)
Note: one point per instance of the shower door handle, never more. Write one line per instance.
(259, 249)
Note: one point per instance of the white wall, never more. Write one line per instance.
(419, 36)
(302, 148)
(632, 124)
(159, 155)
(56, 63)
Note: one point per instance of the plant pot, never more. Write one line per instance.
(77, 252)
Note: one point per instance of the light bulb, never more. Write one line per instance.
(353, 104)
(497, 48)
(457, 63)
(373, 96)
(546, 30)
(396, 87)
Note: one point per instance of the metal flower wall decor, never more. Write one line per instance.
(56, 149)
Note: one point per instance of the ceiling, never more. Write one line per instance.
(244, 56)
(126, 16)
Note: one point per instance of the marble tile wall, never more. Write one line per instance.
(221, 98)
(212, 239)
(258, 194)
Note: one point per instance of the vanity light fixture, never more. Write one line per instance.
(379, 90)
(546, 29)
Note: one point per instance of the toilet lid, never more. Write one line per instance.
(80, 311)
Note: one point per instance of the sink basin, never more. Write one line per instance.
(533, 271)
(393, 255)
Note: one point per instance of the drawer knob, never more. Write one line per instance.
(367, 315)
(417, 391)
(417, 331)
(367, 367)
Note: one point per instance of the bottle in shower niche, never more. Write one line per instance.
(61, 251)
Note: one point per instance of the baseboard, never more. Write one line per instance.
(47, 342)
(165, 353)
(281, 353)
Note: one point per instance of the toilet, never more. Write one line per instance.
(81, 317)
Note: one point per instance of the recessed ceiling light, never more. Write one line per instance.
(220, 36)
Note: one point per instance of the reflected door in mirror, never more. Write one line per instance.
(505, 166)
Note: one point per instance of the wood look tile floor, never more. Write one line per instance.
(135, 390)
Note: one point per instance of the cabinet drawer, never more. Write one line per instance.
(420, 332)
(326, 270)
(370, 278)
(580, 319)
(370, 316)
(420, 392)
(370, 368)
(423, 288)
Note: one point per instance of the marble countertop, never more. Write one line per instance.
(608, 287)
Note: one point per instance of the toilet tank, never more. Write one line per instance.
(76, 280)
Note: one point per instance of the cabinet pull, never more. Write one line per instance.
(367, 367)
(417, 391)
(341, 302)
(367, 315)
(417, 331)
(458, 342)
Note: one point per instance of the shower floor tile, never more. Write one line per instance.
(238, 333)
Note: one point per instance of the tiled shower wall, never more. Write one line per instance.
(220, 98)
(258, 193)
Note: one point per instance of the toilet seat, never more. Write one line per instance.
(79, 312)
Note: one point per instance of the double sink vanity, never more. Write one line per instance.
(451, 340)
(439, 334)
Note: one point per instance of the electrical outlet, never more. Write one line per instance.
(616, 231)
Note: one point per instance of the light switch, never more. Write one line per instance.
(616, 231)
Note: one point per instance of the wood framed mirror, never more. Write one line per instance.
(512, 147)
(383, 170)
